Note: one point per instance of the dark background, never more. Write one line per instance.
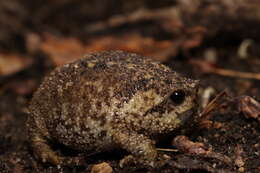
(216, 42)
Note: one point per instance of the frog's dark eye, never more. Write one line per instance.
(178, 97)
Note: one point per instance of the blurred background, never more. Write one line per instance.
(215, 41)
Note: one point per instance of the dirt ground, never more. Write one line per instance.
(216, 42)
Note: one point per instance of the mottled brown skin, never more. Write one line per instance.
(108, 100)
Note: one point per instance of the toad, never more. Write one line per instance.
(109, 100)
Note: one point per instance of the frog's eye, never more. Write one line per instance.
(178, 97)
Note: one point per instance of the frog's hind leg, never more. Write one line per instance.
(44, 152)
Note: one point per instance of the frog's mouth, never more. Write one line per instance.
(187, 115)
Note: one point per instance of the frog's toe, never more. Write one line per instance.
(50, 157)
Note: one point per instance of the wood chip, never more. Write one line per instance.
(102, 168)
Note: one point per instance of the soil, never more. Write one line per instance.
(207, 38)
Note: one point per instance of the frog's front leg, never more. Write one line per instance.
(142, 148)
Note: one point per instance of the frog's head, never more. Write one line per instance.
(164, 103)
(177, 105)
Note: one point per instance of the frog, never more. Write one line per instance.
(110, 100)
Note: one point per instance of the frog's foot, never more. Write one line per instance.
(126, 161)
(162, 160)
(45, 153)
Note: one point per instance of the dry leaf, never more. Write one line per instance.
(197, 148)
(64, 50)
(185, 145)
(250, 107)
(12, 63)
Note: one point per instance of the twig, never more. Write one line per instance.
(232, 73)
(209, 68)
(139, 15)
(215, 103)
(167, 149)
